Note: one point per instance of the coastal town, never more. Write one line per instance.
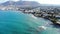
(52, 14)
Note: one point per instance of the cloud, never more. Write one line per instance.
(49, 1)
(1, 1)
(15, 0)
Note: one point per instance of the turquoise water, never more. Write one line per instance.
(15, 22)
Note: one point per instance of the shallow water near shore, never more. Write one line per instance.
(16, 22)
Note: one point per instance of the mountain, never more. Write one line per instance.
(7, 3)
(21, 3)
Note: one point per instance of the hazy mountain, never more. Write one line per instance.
(21, 3)
(8, 3)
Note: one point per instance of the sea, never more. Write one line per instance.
(16, 22)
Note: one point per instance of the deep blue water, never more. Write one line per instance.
(15, 22)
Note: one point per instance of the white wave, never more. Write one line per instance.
(40, 28)
(34, 17)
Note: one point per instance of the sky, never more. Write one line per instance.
(40, 1)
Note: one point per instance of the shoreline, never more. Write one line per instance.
(51, 17)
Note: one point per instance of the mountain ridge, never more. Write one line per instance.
(21, 3)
